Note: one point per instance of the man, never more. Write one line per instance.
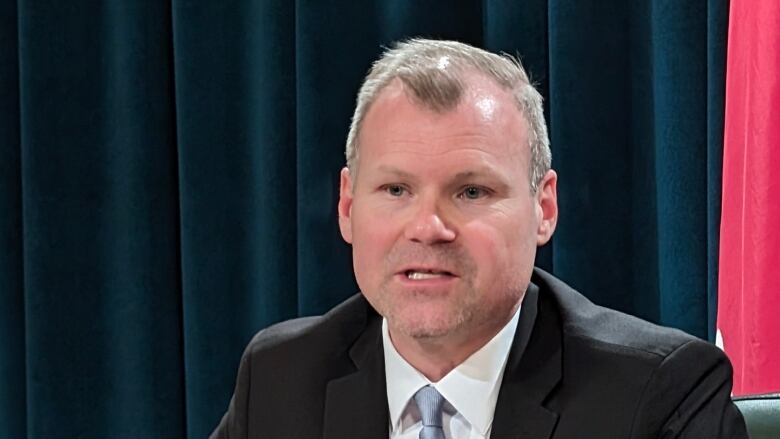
(446, 195)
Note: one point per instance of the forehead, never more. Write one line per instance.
(486, 128)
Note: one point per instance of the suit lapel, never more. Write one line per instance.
(533, 370)
(356, 403)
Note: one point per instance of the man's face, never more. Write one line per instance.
(440, 215)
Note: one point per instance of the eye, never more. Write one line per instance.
(473, 193)
(395, 190)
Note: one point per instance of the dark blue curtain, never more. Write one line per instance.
(168, 181)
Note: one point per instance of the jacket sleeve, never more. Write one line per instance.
(234, 422)
(689, 396)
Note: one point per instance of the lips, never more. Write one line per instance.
(425, 273)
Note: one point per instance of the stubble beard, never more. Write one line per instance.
(415, 318)
(419, 315)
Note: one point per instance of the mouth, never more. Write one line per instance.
(426, 274)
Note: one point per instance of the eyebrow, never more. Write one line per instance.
(386, 169)
(497, 180)
(465, 175)
(460, 176)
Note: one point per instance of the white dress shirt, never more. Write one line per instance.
(471, 389)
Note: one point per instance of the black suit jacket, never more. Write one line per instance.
(575, 370)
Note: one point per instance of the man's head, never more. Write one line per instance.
(433, 73)
(448, 189)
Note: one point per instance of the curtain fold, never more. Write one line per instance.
(13, 398)
(634, 149)
(169, 179)
(100, 242)
(234, 71)
(717, 31)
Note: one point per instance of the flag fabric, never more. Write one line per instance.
(749, 279)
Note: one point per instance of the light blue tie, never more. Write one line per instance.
(430, 403)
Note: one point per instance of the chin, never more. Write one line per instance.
(423, 331)
(421, 323)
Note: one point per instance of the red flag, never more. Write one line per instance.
(749, 283)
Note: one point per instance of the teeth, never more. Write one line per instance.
(418, 275)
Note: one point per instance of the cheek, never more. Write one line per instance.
(372, 239)
(487, 249)
(370, 231)
(500, 250)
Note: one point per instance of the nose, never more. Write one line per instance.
(428, 225)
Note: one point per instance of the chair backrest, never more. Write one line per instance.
(762, 415)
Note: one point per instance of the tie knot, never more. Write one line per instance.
(430, 403)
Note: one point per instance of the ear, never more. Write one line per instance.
(547, 207)
(345, 205)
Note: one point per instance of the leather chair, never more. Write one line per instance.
(762, 415)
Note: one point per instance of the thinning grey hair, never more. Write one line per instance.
(434, 71)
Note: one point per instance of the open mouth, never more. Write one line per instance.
(426, 274)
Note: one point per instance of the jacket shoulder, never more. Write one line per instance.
(608, 328)
(645, 380)
(289, 365)
(339, 326)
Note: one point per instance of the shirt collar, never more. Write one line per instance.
(471, 388)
